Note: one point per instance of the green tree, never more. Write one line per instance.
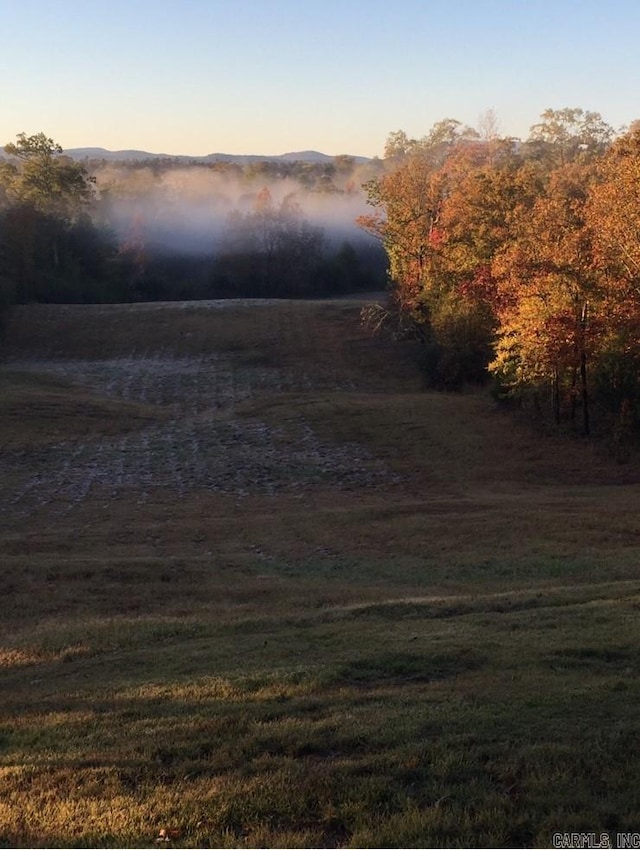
(45, 194)
(47, 180)
(569, 134)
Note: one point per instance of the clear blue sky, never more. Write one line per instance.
(271, 76)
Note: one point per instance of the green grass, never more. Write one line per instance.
(447, 656)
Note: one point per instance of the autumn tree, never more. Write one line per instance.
(549, 304)
(407, 204)
(613, 215)
(485, 187)
(526, 257)
(440, 214)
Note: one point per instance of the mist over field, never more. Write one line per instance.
(124, 229)
(186, 210)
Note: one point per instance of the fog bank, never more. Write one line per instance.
(186, 210)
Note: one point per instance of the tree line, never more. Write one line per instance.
(94, 231)
(519, 261)
(514, 261)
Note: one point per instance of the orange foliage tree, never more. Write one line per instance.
(549, 308)
(441, 213)
(613, 215)
(523, 260)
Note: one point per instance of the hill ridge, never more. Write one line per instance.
(311, 156)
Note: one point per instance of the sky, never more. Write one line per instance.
(268, 77)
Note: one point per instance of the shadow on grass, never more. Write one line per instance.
(403, 668)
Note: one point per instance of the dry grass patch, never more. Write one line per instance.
(40, 409)
(259, 590)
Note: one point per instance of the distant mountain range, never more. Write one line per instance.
(294, 156)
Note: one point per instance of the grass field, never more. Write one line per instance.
(260, 589)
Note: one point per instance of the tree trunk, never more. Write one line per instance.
(574, 395)
(586, 425)
(556, 396)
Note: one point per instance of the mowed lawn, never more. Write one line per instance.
(259, 588)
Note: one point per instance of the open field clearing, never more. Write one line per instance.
(260, 589)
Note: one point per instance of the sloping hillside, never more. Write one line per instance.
(261, 589)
